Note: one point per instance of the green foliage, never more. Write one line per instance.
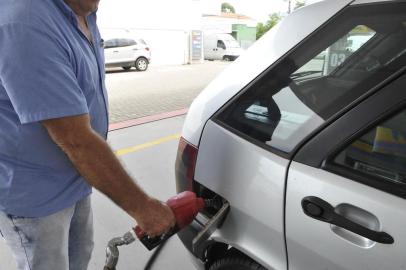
(228, 8)
(299, 4)
(361, 29)
(274, 18)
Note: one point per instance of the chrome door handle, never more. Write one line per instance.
(319, 209)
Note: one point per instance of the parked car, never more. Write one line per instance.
(221, 46)
(308, 154)
(127, 53)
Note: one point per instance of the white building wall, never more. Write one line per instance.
(164, 25)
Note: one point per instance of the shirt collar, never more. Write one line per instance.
(66, 10)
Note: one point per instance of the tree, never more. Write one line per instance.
(228, 8)
(274, 18)
(299, 4)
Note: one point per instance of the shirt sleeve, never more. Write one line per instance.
(37, 74)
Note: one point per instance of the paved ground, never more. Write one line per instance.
(134, 94)
(153, 167)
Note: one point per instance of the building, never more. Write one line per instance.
(241, 27)
(172, 31)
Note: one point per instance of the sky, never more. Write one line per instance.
(161, 13)
(260, 9)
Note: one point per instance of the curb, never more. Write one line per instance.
(146, 119)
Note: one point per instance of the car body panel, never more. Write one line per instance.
(316, 239)
(255, 60)
(255, 222)
(263, 186)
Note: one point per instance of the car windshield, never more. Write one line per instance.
(342, 62)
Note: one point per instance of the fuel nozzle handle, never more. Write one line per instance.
(185, 207)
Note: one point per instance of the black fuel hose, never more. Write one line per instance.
(154, 255)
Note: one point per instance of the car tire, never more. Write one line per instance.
(127, 68)
(235, 263)
(141, 64)
(227, 58)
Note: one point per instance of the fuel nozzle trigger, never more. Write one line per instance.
(185, 206)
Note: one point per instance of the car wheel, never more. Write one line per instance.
(127, 68)
(226, 58)
(235, 263)
(141, 64)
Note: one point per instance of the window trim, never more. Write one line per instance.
(370, 111)
(330, 165)
(370, 180)
(366, 116)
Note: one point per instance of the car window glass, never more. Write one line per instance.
(220, 44)
(131, 42)
(336, 54)
(123, 42)
(350, 56)
(380, 153)
(110, 43)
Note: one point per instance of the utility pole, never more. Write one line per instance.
(289, 6)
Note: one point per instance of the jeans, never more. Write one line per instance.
(61, 241)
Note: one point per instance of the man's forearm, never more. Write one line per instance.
(97, 163)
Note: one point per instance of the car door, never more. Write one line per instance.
(247, 146)
(128, 50)
(118, 50)
(112, 51)
(345, 195)
(346, 191)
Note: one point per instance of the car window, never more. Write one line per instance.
(123, 42)
(380, 153)
(341, 62)
(111, 43)
(131, 42)
(220, 44)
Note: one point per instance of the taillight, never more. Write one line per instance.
(147, 49)
(185, 165)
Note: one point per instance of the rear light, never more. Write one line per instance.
(185, 165)
(147, 49)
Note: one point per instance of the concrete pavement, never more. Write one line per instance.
(134, 94)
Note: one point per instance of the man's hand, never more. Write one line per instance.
(96, 162)
(156, 219)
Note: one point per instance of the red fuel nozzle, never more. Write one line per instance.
(185, 207)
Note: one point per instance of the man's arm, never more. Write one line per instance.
(96, 162)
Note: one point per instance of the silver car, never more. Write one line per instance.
(127, 53)
(304, 155)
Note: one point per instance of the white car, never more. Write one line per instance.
(305, 156)
(127, 53)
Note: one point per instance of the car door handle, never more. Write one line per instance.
(321, 210)
(115, 51)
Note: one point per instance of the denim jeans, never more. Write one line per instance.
(61, 241)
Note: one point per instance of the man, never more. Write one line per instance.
(53, 126)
